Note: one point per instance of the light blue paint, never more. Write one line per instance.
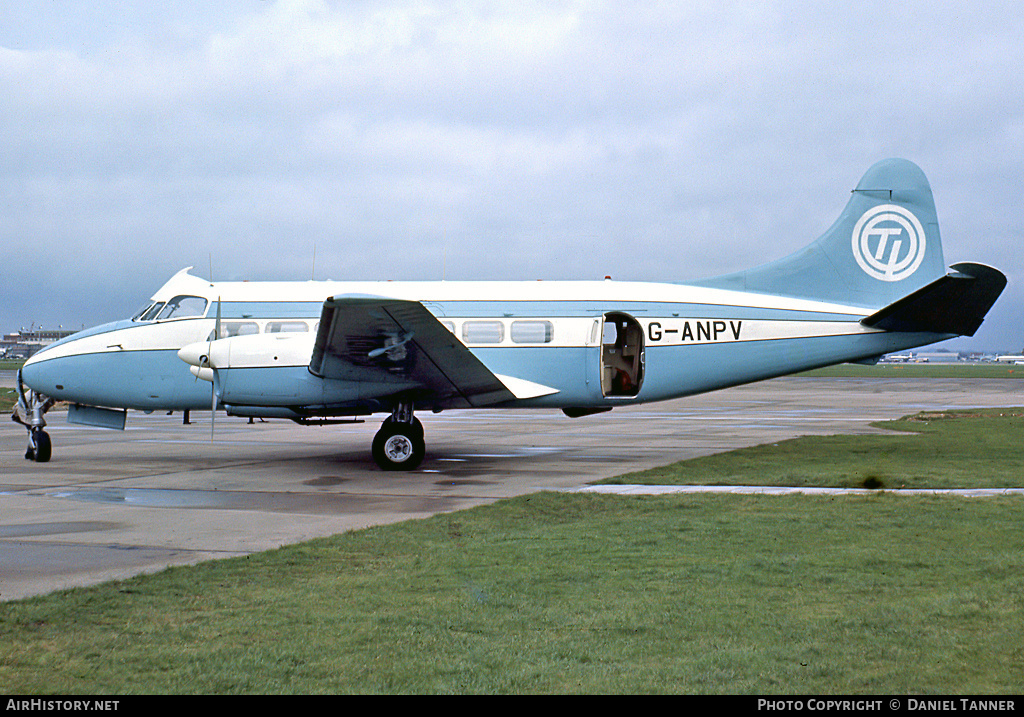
(271, 310)
(144, 380)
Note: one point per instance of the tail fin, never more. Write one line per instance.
(884, 246)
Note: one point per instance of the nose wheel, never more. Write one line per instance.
(39, 447)
(399, 444)
(29, 411)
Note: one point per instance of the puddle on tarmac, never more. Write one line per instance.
(37, 529)
(153, 498)
(325, 481)
(314, 503)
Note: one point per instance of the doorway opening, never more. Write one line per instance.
(622, 355)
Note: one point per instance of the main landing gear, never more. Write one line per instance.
(399, 444)
(29, 412)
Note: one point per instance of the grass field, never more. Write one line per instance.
(573, 593)
(951, 449)
(558, 593)
(7, 395)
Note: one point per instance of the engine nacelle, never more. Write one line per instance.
(268, 370)
(253, 351)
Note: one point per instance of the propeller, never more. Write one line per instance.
(393, 346)
(199, 358)
(209, 362)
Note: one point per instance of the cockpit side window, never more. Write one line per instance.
(151, 312)
(137, 316)
(181, 307)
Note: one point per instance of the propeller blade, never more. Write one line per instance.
(213, 383)
(213, 404)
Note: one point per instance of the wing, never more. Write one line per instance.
(398, 346)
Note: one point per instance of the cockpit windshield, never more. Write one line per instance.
(181, 307)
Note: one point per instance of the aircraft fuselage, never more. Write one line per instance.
(676, 340)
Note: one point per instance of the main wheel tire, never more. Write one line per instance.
(398, 446)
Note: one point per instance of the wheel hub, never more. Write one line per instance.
(398, 448)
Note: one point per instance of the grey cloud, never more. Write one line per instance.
(485, 140)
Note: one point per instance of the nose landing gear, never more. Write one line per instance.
(29, 412)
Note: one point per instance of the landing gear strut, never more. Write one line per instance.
(29, 412)
(399, 444)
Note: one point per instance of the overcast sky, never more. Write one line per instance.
(424, 139)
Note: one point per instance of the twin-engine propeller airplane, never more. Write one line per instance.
(324, 352)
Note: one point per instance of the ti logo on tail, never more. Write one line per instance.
(898, 242)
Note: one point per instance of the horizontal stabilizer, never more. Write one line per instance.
(952, 304)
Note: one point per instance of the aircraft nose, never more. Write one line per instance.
(30, 374)
(52, 376)
(195, 354)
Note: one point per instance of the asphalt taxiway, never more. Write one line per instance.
(115, 504)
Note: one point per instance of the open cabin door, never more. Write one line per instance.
(622, 355)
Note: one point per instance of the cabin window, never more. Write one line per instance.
(182, 307)
(483, 332)
(235, 328)
(286, 327)
(448, 325)
(239, 328)
(532, 332)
